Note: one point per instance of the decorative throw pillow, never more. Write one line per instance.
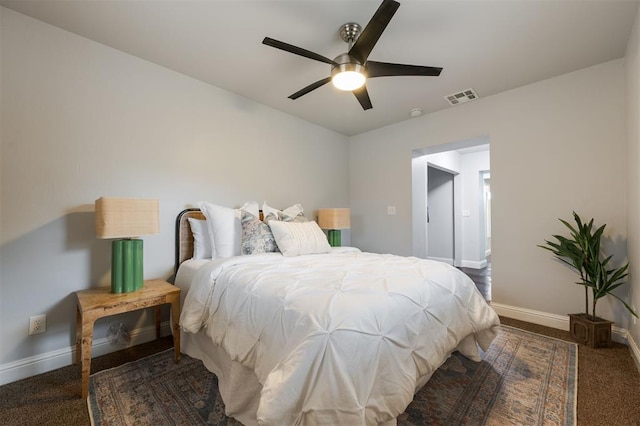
(256, 235)
(269, 213)
(295, 213)
(295, 238)
(202, 244)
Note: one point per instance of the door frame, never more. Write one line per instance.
(419, 184)
(420, 167)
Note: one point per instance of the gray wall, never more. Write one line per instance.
(541, 137)
(81, 120)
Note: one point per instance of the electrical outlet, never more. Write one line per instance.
(37, 324)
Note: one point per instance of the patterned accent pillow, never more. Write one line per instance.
(298, 219)
(270, 216)
(294, 213)
(256, 235)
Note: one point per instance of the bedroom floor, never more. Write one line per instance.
(482, 279)
(608, 383)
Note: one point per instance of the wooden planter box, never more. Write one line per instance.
(590, 331)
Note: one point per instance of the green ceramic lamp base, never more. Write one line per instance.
(126, 265)
(334, 236)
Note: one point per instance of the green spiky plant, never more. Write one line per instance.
(581, 251)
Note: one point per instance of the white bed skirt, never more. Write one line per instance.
(237, 384)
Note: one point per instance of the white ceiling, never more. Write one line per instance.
(490, 46)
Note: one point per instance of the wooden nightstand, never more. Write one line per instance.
(100, 302)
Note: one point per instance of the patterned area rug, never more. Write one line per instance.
(524, 379)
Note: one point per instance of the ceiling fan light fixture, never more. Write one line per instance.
(348, 80)
(350, 70)
(348, 77)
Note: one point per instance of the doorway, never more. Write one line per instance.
(452, 207)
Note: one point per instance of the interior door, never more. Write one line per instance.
(440, 215)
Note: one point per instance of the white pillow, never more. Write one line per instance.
(225, 229)
(296, 238)
(202, 244)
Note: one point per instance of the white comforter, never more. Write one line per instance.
(340, 338)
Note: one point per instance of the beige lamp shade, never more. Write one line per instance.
(334, 218)
(126, 217)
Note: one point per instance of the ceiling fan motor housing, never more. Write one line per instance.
(344, 62)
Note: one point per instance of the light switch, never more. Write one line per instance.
(391, 210)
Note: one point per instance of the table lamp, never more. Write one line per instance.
(334, 220)
(124, 219)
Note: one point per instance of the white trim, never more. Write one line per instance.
(474, 264)
(560, 322)
(448, 261)
(633, 348)
(536, 317)
(58, 358)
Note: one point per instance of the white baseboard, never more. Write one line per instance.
(535, 317)
(474, 264)
(464, 263)
(560, 322)
(635, 350)
(52, 360)
(448, 261)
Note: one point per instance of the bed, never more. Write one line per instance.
(343, 337)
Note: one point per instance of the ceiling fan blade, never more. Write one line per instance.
(385, 69)
(363, 97)
(372, 32)
(296, 50)
(309, 88)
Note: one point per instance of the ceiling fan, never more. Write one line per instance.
(350, 70)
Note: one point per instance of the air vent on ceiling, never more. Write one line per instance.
(461, 97)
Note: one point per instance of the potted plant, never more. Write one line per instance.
(581, 251)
